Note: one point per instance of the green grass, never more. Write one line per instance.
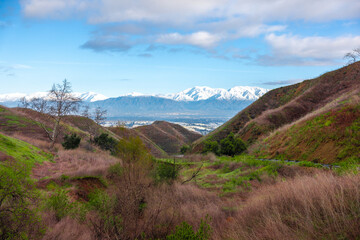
(230, 174)
(23, 152)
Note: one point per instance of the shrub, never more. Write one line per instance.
(105, 142)
(211, 146)
(60, 203)
(167, 171)
(231, 146)
(115, 170)
(184, 149)
(132, 150)
(72, 141)
(186, 231)
(19, 218)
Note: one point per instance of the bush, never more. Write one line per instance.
(231, 146)
(186, 231)
(167, 171)
(19, 218)
(184, 149)
(211, 146)
(105, 142)
(132, 150)
(60, 204)
(71, 142)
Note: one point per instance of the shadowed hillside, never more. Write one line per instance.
(286, 105)
(123, 132)
(169, 136)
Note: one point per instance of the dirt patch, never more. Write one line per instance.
(4, 157)
(84, 186)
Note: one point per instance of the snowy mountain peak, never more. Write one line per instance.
(202, 93)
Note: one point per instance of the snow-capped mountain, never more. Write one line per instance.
(15, 97)
(204, 93)
(193, 102)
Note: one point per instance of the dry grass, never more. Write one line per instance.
(40, 143)
(76, 162)
(321, 207)
(67, 228)
(352, 97)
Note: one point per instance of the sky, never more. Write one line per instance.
(114, 47)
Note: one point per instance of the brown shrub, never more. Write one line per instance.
(67, 228)
(321, 207)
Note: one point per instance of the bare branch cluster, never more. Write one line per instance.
(353, 56)
(58, 103)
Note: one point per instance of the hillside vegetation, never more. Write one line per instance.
(313, 120)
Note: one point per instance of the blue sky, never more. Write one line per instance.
(115, 47)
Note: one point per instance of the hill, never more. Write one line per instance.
(333, 93)
(169, 136)
(154, 149)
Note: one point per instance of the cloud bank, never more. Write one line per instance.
(208, 25)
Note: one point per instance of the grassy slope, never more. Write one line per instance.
(287, 105)
(328, 137)
(22, 152)
(170, 137)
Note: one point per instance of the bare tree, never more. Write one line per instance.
(353, 56)
(100, 116)
(58, 103)
(24, 103)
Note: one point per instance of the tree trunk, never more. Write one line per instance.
(54, 133)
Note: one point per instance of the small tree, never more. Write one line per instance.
(99, 117)
(71, 141)
(105, 142)
(353, 56)
(211, 146)
(184, 149)
(58, 103)
(231, 145)
(19, 215)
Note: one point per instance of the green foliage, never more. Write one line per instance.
(115, 170)
(132, 150)
(232, 146)
(211, 146)
(71, 141)
(104, 206)
(59, 203)
(184, 149)
(105, 142)
(350, 166)
(166, 171)
(19, 217)
(186, 232)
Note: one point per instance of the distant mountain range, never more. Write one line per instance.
(194, 102)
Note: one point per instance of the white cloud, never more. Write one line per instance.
(207, 23)
(200, 39)
(55, 8)
(312, 47)
(182, 11)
